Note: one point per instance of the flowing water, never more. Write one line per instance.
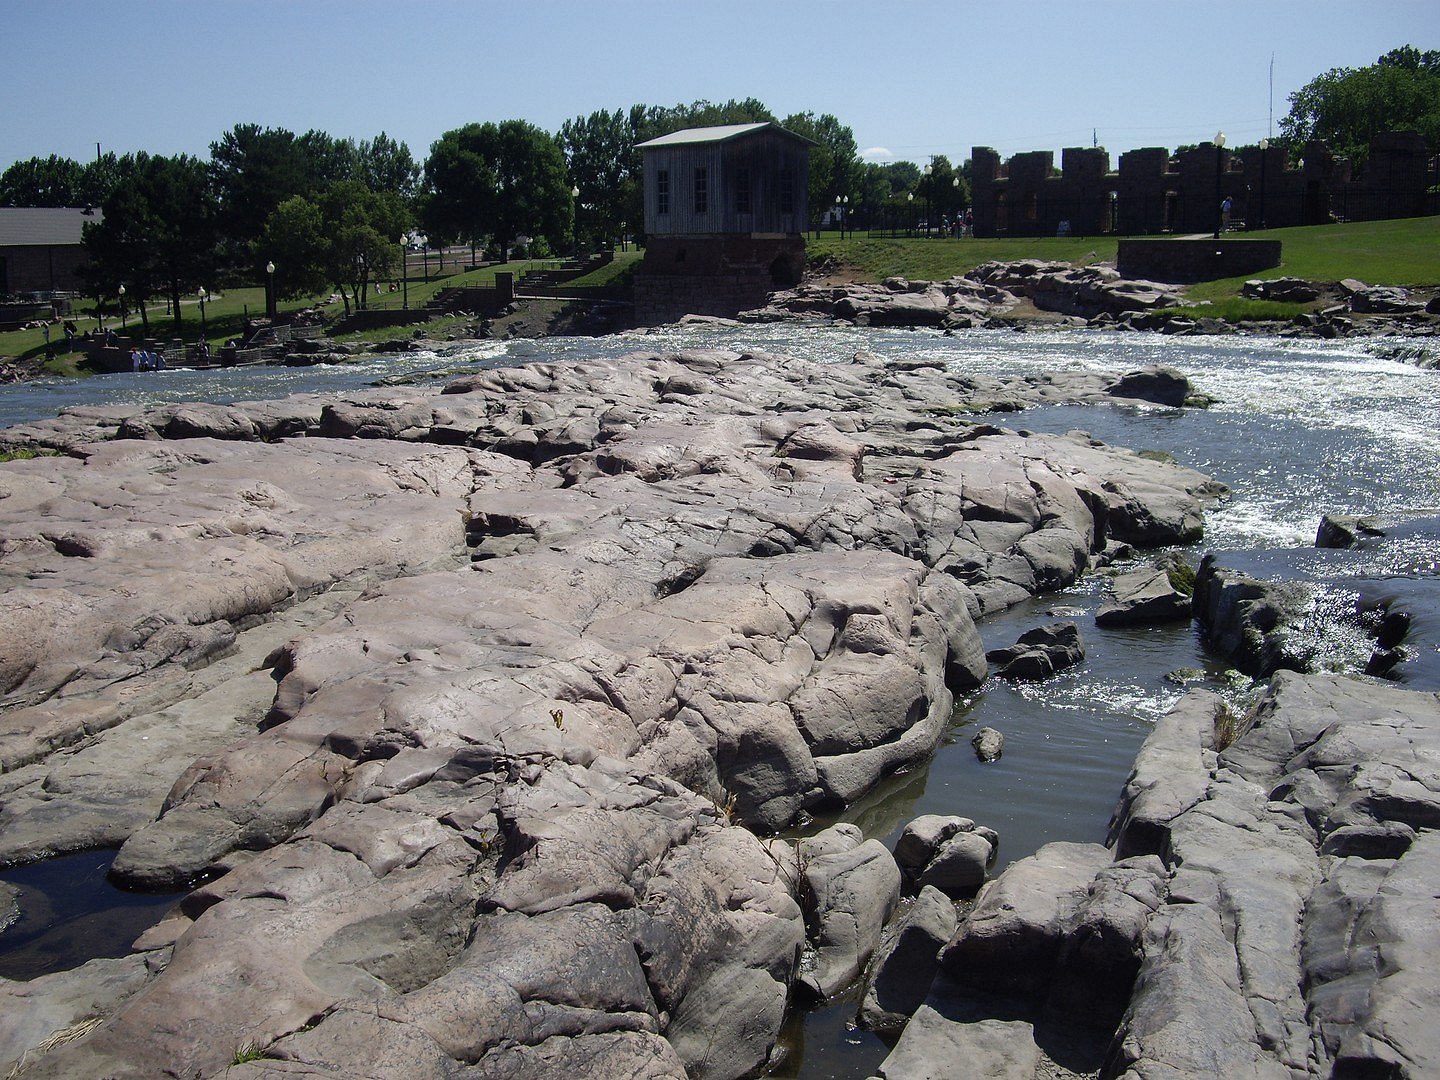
(1299, 428)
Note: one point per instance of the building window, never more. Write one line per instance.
(702, 193)
(787, 191)
(662, 191)
(742, 191)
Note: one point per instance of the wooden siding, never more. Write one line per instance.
(766, 155)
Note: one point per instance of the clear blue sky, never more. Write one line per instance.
(913, 77)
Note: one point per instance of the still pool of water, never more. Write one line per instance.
(1299, 428)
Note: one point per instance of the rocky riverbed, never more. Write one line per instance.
(468, 718)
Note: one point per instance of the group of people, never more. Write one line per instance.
(963, 224)
(146, 360)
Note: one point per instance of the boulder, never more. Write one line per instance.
(1287, 290)
(1060, 930)
(855, 884)
(1344, 530)
(1160, 385)
(1383, 300)
(1252, 622)
(988, 743)
(1144, 597)
(906, 963)
(932, 1047)
(1041, 652)
(1304, 878)
(1010, 941)
(950, 853)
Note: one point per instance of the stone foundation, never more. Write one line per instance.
(1195, 260)
(713, 275)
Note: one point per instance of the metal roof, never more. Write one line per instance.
(722, 133)
(44, 226)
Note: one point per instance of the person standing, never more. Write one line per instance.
(1225, 207)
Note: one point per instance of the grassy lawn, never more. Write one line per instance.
(934, 259)
(225, 313)
(1400, 252)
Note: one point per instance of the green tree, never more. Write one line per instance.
(52, 181)
(157, 235)
(945, 189)
(500, 180)
(601, 161)
(360, 229)
(383, 164)
(903, 176)
(294, 240)
(254, 170)
(1348, 106)
(834, 162)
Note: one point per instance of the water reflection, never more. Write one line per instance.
(69, 913)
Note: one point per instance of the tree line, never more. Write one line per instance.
(328, 212)
(331, 212)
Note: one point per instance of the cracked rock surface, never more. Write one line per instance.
(494, 679)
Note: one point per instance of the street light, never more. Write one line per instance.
(928, 170)
(575, 198)
(404, 273)
(1219, 170)
(1264, 158)
(955, 183)
(910, 200)
(120, 292)
(270, 291)
(202, 312)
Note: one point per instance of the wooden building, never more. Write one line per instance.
(725, 215)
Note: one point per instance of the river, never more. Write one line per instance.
(1299, 428)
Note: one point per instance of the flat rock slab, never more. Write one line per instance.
(576, 624)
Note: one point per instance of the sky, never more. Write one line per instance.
(911, 79)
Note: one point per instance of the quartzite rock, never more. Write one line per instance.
(477, 826)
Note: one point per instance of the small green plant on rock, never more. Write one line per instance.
(248, 1053)
(1181, 575)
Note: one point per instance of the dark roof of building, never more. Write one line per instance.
(722, 133)
(44, 226)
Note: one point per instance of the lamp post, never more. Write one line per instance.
(270, 291)
(955, 183)
(1219, 171)
(120, 292)
(910, 201)
(575, 198)
(928, 170)
(202, 312)
(1264, 158)
(404, 273)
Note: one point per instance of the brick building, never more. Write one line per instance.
(40, 250)
(1154, 191)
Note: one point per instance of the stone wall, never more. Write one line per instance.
(1155, 191)
(1177, 260)
(713, 275)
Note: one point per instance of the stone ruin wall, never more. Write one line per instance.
(1154, 191)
